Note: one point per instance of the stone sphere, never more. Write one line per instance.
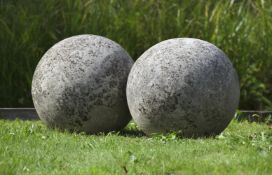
(183, 85)
(80, 85)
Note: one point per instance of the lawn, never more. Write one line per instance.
(28, 147)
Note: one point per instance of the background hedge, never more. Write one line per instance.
(241, 28)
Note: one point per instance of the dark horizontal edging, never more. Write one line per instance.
(31, 114)
(254, 116)
(18, 113)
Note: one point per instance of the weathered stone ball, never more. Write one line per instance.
(183, 85)
(80, 85)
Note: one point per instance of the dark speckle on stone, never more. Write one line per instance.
(79, 85)
(183, 84)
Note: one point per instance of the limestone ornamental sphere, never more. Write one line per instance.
(79, 85)
(183, 85)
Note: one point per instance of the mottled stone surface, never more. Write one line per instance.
(184, 85)
(79, 85)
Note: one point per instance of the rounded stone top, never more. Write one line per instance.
(183, 84)
(79, 85)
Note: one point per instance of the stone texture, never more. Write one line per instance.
(79, 85)
(184, 85)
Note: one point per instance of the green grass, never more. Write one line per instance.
(241, 28)
(28, 147)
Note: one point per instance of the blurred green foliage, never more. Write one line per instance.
(241, 28)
